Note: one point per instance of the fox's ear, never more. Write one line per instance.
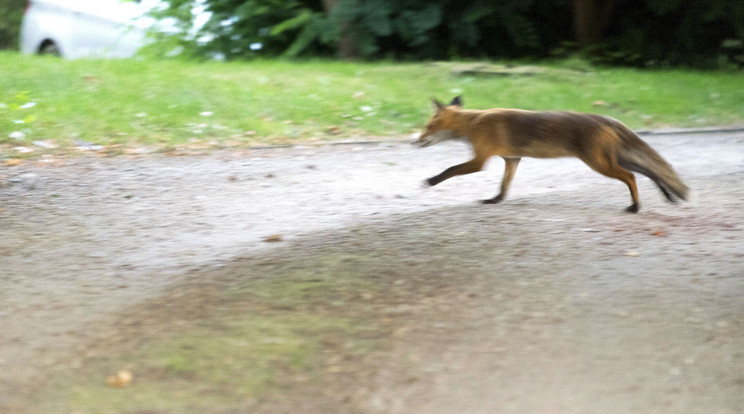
(437, 105)
(456, 101)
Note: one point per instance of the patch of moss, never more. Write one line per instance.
(257, 340)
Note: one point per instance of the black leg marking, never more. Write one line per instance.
(494, 200)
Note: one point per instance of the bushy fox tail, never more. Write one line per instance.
(637, 156)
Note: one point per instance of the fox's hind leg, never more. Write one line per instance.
(510, 167)
(608, 166)
(650, 174)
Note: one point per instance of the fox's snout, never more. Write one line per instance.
(423, 140)
(429, 138)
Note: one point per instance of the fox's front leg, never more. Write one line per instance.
(474, 165)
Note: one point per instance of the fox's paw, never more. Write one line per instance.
(633, 208)
(429, 182)
(494, 200)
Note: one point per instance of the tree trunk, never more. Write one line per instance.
(346, 49)
(591, 19)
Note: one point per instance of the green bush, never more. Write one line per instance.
(11, 12)
(444, 29)
(247, 29)
(646, 33)
(674, 32)
(378, 28)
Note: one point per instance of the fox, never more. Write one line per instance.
(605, 144)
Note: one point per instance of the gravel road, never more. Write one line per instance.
(574, 306)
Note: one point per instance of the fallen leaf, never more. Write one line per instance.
(632, 254)
(659, 233)
(122, 379)
(13, 162)
(273, 238)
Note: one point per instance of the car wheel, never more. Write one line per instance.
(49, 48)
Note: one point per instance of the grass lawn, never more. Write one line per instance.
(172, 104)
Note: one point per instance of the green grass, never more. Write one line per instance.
(202, 370)
(182, 104)
(217, 351)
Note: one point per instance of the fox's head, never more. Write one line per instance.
(438, 127)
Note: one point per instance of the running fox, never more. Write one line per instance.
(604, 144)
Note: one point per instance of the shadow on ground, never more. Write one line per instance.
(531, 306)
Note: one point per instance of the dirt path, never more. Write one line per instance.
(561, 302)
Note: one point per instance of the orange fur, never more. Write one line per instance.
(603, 143)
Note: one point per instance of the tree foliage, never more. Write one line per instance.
(648, 32)
(443, 29)
(378, 28)
(245, 29)
(673, 32)
(11, 12)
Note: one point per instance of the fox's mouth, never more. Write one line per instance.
(424, 142)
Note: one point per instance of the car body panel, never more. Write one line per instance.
(86, 28)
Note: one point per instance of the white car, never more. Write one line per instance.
(86, 28)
